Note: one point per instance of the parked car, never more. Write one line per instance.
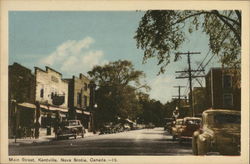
(190, 125)
(168, 124)
(118, 128)
(126, 127)
(176, 128)
(220, 132)
(107, 128)
(70, 128)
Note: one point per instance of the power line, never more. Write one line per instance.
(190, 76)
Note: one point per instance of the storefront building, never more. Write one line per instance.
(79, 99)
(21, 101)
(51, 97)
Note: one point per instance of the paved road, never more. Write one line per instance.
(138, 142)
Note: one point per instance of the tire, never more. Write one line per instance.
(194, 146)
(82, 134)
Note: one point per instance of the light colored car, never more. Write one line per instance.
(220, 132)
(70, 128)
(176, 128)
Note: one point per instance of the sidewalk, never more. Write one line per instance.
(43, 138)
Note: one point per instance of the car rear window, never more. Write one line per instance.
(193, 122)
(226, 119)
(73, 123)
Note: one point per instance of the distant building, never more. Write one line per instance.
(79, 99)
(223, 90)
(21, 98)
(52, 95)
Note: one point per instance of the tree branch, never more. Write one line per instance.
(192, 15)
(225, 17)
(229, 25)
(238, 15)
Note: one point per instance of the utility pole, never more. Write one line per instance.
(190, 76)
(179, 94)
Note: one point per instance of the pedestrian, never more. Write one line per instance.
(56, 126)
(37, 126)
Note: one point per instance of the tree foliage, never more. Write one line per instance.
(162, 32)
(116, 96)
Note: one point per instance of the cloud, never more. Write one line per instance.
(74, 56)
(161, 88)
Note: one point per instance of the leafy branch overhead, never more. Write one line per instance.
(162, 32)
(118, 73)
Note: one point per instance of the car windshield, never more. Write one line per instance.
(226, 119)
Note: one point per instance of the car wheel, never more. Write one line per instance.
(194, 146)
(82, 134)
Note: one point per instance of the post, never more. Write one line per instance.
(92, 87)
(190, 76)
(190, 85)
(37, 124)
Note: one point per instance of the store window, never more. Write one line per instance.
(85, 101)
(85, 86)
(42, 93)
(79, 100)
(227, 81)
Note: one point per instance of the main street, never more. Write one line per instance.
(137, 142)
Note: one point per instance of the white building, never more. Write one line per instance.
(52, 94)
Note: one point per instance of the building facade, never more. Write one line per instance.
(21, 99)
(79, 99)
(51, 95)
(222, 88)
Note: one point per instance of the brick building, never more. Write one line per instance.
(52, 95)
(21, 99)
(223, 89)
(79, 99)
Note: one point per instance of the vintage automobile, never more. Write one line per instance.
(70, 128)
(168, 124)
(107, 128)
(220, 132)
(190, 124)
(176, 128)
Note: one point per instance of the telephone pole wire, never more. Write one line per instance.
(190, 76)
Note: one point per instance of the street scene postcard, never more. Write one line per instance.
(153, 84)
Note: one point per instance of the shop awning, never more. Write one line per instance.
(27, 105)
(54, 108)
(84, 112)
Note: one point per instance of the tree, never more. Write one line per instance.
(116, 95)
(161, 33)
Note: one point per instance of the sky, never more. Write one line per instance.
(72, 42)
